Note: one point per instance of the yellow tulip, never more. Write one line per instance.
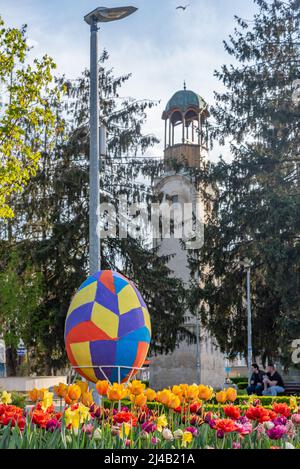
(5, 398)
(187, 438)
(162, 422)
(205, 392)
(191, 392)
(221, 397)
(164, 396)
(83, 386)
(231, 394)
(125, 430)
(102, 387)
(116, 392)
(47, 400)
(137, 387)
(61, 390)
(150, 394)
(174, 401)
(177, 391)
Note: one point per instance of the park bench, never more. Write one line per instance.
(291, 389)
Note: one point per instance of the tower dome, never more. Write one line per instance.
(184, 100)
(186, 128)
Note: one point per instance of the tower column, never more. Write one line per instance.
(183, 129)
(166, 123)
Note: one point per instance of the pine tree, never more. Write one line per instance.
(52, 222)
(254, 200)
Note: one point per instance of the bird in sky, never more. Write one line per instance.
(181, 7)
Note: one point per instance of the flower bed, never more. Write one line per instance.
(138, 417)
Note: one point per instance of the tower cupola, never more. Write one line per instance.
(186, 134)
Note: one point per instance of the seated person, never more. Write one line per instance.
(256, 381)
(273, 382)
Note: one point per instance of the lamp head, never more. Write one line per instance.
(106, 15)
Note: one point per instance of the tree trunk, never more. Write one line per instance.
(11, 361)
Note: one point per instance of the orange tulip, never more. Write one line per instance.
(205, 392)
(102, 387)
(150, 394)
(136, 387)
(33, 395)
(164, 396)
(83, 386)
(231, 394)
(116, 392)
(140, 400)
(221, 397)
(87, 399)
(61, 389)
(73, 394)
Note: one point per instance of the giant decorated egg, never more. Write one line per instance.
(107, 325)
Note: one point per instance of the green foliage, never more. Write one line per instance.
(20, 295)
(26, 114)
(51, 223)
(18, 399)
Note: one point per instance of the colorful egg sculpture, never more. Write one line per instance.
(107, 325)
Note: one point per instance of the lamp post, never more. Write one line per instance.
(99, 15)
(247, 265)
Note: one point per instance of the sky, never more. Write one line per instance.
(159, 45)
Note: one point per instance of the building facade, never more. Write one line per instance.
(185, 147)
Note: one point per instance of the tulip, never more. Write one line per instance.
(137, 387)
(61, 390)
(221, 397)
(47, 400)
(192, 430)
(162, 422)
(116, 392)
(191, 393)
(73, 394)
(155, 440)
(167, 434)
(52, 425)
(87, 399)
(164, 397)
(205, 392)
(150, 394)
(174, 401)
(83, 386)
(140, 400)
(177, 391)
(277, 432)
(33, 395)
(296, 419)
(178, 434)
(187, 438)
(231, 394)
(102, 387)
(125, 430)
(5, 398)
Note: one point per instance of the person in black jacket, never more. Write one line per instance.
(256, 383)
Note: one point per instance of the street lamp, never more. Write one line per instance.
(99, 15)
(247, 265)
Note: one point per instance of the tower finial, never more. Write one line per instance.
(184, 85)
